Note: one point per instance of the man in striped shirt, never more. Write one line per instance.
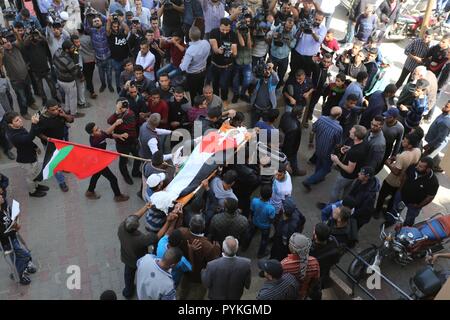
(278, 285)
(328, 134)
(416, 51)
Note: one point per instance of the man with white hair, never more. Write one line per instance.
(227, 276)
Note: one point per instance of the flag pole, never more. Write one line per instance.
(141, 159)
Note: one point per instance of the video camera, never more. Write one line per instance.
(281, 37)
(306, 25)
(9, 13)
(90, 12)
(242, 24)
(226, 49)
(167, 4)
(7, 33)
(260, 69)
(115, 17)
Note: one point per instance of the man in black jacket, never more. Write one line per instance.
(292, 130)
(67, 72)
(26, 150)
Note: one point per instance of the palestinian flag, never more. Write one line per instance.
(83, 161)
(213, 150)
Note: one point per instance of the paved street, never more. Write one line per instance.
(65, 229)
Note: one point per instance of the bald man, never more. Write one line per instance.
(328, 133)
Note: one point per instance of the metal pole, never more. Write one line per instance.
(426, 19)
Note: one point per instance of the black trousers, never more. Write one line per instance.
(39, 79)
(88, 71)
(195, 83)
(127, 149)
(386, 190)
(107, 173)
(299, 61)
(402, 77)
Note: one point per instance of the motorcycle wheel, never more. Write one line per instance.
(357, 269)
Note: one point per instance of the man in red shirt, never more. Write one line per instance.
(176, 48)
(304, 267)
(158, 105)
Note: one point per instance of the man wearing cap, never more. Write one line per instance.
(67, 73)
(416, 52)
(304, 267)
(97, 139)
(149, 142)
(154, 183)
(134, 244)
(397, 165)
(364, 191)
(379, 102)
(393, 132)
(226, 277)
(413, 104)
(278, 285)
(130, 144)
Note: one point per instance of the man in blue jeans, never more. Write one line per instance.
(328, 134)
(243, 64)
(117, 32)
(261, 217)
(52, 124)
(8, 240)
(419, 189)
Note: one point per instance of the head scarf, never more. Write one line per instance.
(301, 245)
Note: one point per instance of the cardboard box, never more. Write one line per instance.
(444, 294)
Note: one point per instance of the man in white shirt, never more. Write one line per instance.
(281, 188)
(153, 277)
(147, 60)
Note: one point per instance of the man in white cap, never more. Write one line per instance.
(155, 183)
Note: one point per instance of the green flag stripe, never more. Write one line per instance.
(54, 162)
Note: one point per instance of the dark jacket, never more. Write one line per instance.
(292, 130)
(377, 105)
(364, 196)
(386, 15)
(328, 254)
(66, 69)
(23, 141)
(346, 236)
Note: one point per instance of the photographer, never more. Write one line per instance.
(67, 73)
(55, 35)
(172, 13)
(243, 61)
(37, 54)
(308, 44)
(224, 46)
(136, 36)
(28, 21)
(17, 72)
(283, 41)
(264, 97)
(117, 32)
(103, 59)
(286, 11)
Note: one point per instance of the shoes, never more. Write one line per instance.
(92, 195)
(37, 194)
(63, 186)
(94, 95)
(342, 41)
(245, 98)
(136, 174)
(121, 198)
(84, 106)
(235, 99)
(127, 295)
(26, 116)
(25, 280)
(111, 89)
(40, 187)
(102, 88)
(31, 268)
(307, 186)
(128, 180)
(321, 205)
(10, 155)
(34, 106)
(298, 173)
(435, 169)
(79, 115)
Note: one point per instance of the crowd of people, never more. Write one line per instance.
(174, 64)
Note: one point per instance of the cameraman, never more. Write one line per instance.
(308, 44)
(99, 38)
(117, 32)
(28, 21)
(172, 13)
(37, 55)
(264, 97)
(17, 72)
(243, 61)
(55, 35)
(224, 46)
(286, 11)
(283, 41)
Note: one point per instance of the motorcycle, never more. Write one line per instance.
(427, 282)
(403, 244)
